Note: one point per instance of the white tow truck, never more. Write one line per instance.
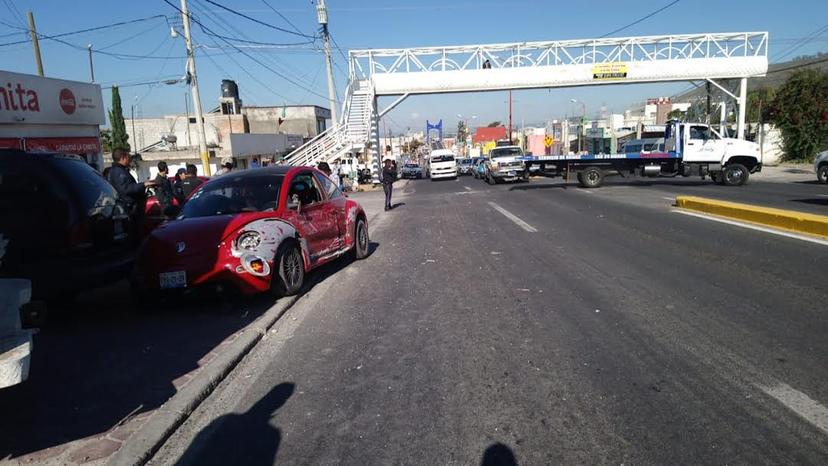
(690, 149)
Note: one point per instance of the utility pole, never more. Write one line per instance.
(35, 44)
(322, 15)
(187, 112)
(191, 70)
(91, 67)
(510, 116)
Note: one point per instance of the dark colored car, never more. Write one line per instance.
(63, 227)
(252, 231)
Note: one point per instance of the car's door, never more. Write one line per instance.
(702, 145)
(313, 216)
(335, 207)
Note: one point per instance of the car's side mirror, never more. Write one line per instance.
(294, 204)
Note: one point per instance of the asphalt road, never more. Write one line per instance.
(539, 323)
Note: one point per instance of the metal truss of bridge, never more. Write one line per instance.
(528, 65)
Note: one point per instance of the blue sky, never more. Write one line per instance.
(366, 24)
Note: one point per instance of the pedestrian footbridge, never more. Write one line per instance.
(528, 65)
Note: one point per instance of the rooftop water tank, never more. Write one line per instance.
(229, 88)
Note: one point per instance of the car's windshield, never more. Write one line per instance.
(442, 158)
(234, 194)
(411, 165)
(91, 189)
(506, 152)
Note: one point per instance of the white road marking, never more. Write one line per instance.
(800, 403)
(754, 227)
(514, 218)
(669, 198)
(467, 188)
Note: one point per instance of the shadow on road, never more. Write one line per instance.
(103, 360)
(819, 202)
(247, 438)
(498, 454)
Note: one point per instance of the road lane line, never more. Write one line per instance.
(800, 403)
(514, 218)
(467, 188)
(753, 227)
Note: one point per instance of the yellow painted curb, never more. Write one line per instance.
(799, 222)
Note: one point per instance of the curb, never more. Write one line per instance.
(149, 438)
(799, 222)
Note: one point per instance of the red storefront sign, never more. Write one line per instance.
(11, 143)
(67, 145)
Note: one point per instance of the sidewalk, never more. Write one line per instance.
(788, 172)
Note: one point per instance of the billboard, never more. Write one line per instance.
(28, 99)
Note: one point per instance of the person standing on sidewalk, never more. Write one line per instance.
(389, 175)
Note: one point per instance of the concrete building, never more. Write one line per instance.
(305, 120)
(231, 130)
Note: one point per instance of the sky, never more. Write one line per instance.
(267, 74)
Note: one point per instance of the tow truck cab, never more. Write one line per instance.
(704, 151)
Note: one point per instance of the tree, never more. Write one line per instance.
(119, 138)
(800, 111)
(462, 132)
(676, 114)
(759, 104)
(106, 140)
(493, 124)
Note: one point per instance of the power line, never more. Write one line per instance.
(650, 15)
(81, 31)
(805, 40)
(250, 57)
(255, 42)
(250, 18)
(282, 16)
(14, 11)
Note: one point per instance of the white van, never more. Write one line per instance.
(441, 164)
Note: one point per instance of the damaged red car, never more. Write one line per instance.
(253, 231)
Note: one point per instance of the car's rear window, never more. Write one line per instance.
(88, 186)
(234, 194)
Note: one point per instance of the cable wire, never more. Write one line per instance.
(650, 15)
(81, 31)
(250, 18)
(282, 16)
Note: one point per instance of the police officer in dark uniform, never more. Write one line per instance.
(131, 194)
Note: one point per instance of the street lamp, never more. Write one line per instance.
(583, 118)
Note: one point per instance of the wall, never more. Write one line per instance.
(302, 120)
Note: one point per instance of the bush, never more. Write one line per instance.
(800, 111)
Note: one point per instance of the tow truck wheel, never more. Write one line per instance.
(591, 177)
(580, 177)
(735, 175)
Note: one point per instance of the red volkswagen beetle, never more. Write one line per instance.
(254, 230)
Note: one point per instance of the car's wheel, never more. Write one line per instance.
(592, 177)
(717, 177)
(822, 173)
(360, 239)
(288, 271)
(735, 174)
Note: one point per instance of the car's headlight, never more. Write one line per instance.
(249, 240)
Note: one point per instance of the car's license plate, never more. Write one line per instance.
(170, 280)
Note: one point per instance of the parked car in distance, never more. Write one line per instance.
(253, 231)
(411, 170)
(65, 232)
(821, 166)
(480, 168)
(464, 166)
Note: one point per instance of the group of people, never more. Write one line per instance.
(132, 195)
